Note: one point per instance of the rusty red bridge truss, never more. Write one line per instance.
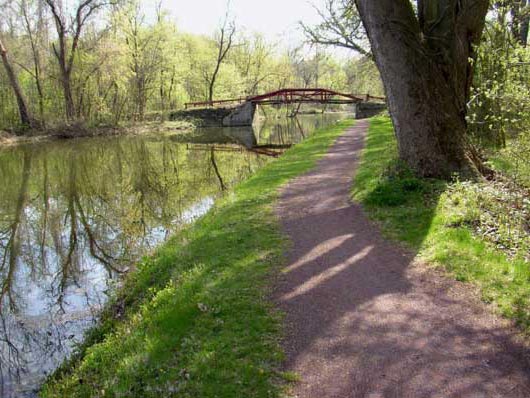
(293, 96)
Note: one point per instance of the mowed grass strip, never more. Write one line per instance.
(429, 216)
(194, 319)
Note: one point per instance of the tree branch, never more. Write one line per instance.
(341, 26)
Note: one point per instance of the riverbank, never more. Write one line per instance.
(474, 231)
(194, 319)
(8, 139)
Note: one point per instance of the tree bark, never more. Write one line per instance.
(25, 116)
(68, 96)
(424, 60)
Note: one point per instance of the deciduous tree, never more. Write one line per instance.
(69, 34)
(425, 57)
(25, 116)
(224, 43)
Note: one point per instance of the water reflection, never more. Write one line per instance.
(76, 215)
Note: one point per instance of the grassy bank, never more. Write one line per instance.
(194, 320)
(464, 227)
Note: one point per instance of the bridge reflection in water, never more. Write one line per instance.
(266, 137)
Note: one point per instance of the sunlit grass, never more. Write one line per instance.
(194, 319)
(425, 215)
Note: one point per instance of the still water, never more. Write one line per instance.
(75, 216)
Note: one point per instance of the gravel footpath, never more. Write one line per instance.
(363, 320)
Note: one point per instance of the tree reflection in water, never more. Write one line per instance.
(76, 215)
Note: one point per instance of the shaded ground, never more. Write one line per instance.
(364, 321)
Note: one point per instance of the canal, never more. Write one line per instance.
(75, 217)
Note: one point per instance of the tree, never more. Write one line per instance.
(499, 105)
(224, 42)
(145, 53)
(362, 76)
(252, 59)
(25, 116)
(66, 56)
(425, 58)
(520, 10)
(514, 14)
(524, 22)
(127, 65)
(34, 27)
(341, 26)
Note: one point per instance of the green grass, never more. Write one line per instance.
(428, 217)
(194, 319)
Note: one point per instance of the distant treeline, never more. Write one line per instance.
(105, 62)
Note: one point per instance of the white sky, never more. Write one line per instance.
(277, 19)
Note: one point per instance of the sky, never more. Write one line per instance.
(276, 19)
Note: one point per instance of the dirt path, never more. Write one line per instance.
(363, 321)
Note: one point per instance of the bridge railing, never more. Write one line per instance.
(211, 104)
(292, 95)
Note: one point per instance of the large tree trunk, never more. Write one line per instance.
(424, 63)
(25, 116)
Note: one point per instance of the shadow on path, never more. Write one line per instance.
(362, 320)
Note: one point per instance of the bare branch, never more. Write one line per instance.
(341, 26)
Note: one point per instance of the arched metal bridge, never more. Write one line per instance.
(292, 96)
